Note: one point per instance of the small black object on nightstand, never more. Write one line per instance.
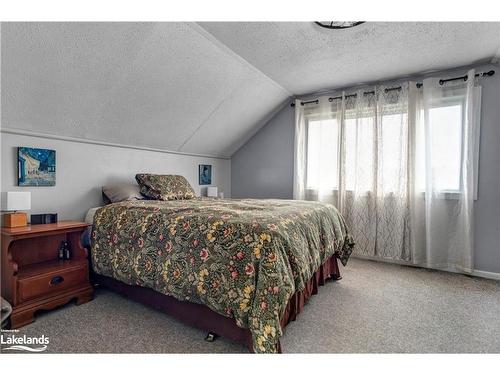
(43, 219)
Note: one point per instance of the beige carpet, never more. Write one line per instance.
(375, 308)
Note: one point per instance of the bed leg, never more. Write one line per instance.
(211, 337)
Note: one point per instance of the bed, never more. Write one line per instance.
(242, 269)
(243, 259)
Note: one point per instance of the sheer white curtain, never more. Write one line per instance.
(374, 197)
(446, 141)
(398, 162)
(352, 151)
(317, 130)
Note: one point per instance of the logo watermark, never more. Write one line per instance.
(10, 340)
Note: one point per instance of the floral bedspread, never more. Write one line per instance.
(242, 258)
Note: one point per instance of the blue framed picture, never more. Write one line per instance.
(36, 167)
(205, 174)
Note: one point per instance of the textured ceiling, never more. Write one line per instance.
(204, 88)
(162, 85)
(303, 57)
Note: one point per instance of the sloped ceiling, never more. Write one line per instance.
(169, 86)
(204, 88)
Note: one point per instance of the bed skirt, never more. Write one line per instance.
(200, 316)
(329, 270)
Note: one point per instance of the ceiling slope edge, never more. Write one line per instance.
(214, 110)
(224, 47)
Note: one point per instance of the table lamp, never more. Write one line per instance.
(16, 201)
(212, 191)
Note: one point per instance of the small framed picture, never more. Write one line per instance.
(36, 167)
(205, 174)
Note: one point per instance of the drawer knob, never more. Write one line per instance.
(56, 280)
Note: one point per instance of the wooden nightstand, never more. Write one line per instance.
(32, 276)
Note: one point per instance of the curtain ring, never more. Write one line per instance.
(441, 82)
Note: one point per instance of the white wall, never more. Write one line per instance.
(83, 168)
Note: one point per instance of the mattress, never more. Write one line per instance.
(89, 219)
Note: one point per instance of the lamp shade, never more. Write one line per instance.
(212, 191)
(18, 200)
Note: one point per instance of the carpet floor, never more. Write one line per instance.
(375, 308)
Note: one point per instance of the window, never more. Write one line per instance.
(445, 147)
(359, 157)
(322, 154)
(360, 137)
(377, 146)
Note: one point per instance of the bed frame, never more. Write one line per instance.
(200, 316)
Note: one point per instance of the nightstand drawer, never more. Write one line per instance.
(53, 282)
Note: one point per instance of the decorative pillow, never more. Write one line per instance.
(164, 187)
(123, 192)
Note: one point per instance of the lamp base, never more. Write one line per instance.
(17, 219)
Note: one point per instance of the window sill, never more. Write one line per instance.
(444, 195)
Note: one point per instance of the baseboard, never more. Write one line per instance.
(477, 273)
(486, 274)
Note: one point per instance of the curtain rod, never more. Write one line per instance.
(419, 84)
